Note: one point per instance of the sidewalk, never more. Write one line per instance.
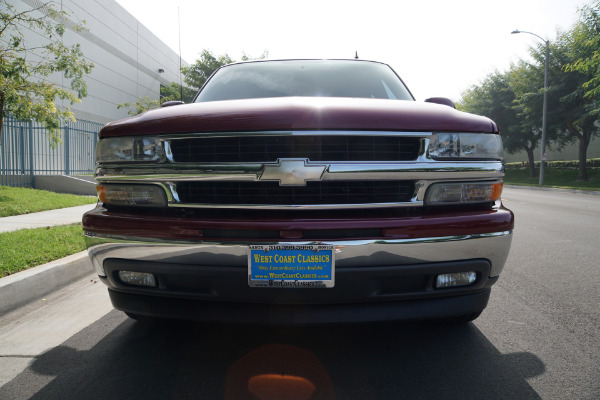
(26, 286)
(62, 216)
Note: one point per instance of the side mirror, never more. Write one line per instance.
(441, 100)
(171, 103)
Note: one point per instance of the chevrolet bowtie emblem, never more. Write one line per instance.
(292, 172)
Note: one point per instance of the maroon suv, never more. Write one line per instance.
(300, 191)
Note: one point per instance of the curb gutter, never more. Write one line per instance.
(26, 286)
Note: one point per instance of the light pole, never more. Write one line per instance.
(545, 106)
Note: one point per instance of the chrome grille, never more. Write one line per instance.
(314, 193)
(363, 170)
(241, 149)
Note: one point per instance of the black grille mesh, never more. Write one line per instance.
(316, 148)
(314, 193)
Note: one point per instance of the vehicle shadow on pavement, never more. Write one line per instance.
(119, 358)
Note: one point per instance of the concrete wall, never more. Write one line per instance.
(126, 55)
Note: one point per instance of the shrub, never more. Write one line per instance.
(592, 163)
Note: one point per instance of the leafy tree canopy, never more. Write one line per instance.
(578, 112)
(196, 74)
(24, 91)
(174, 91)
(586, 60)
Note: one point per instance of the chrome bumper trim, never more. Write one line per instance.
(299, 207)
(349, 253)
(250, 172)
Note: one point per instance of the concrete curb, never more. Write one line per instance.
(26, 286)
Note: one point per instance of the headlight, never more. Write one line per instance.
(132, 195)
(124, 149)
(440, 194)
(479, 146)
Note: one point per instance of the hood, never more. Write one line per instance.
(300, 113)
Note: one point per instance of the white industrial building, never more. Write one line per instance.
(130, 61)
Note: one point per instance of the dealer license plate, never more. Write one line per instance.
(291, 266)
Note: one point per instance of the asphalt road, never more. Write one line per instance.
(538, 339)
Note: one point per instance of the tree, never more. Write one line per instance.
(579, 112)
(513, 100)
(589, 62)
(175, 91)
(24, 91)
(196, 74)
(527, 83)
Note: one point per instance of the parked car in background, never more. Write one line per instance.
(300, 191)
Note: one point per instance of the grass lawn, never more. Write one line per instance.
(26, 248)
(560, 178)
(17, 201)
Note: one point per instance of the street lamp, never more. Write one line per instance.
(545, 106)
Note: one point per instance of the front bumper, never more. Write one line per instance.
(376, 279)
(297, 314)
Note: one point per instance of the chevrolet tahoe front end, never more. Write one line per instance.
(306, 208)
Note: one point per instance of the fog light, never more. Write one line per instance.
(455, 279)
(137, 278)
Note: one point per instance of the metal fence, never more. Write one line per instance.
(26, 151)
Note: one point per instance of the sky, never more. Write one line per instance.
(438, 47)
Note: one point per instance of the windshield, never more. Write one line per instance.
(323, 78)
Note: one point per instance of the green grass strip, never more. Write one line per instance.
(26, 248)
(559, 178)
(17, 201)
